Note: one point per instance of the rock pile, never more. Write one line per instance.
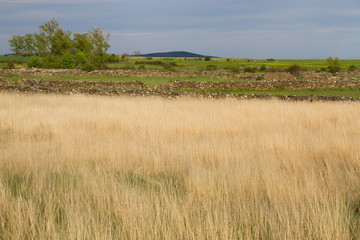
(139, 89)
(264, 85)
(267, 76)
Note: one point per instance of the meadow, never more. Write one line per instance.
(81, 167)
(181, 64)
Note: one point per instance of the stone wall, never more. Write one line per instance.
(268, 76)
(138, 89)
(264, 85)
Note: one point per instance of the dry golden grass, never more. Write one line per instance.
(80, 167)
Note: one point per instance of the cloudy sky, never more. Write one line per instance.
(225, 28)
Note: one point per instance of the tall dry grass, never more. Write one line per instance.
(76, 167)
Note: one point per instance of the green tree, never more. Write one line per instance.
(29, 44)
(41, 44)
(333, 65)
(67, 61)
(56, 47)
(79, 58)
(61, 42)
(82, 43)
(17, 44)
(100, 44)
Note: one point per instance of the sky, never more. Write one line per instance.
(223, 28)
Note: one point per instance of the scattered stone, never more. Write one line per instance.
(137, 88)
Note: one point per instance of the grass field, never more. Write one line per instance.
(194, 64)
(150, 81)
(77, 167)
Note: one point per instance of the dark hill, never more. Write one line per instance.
(175, 54)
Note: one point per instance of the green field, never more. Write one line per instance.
(200, 64)
(237, 62)
(149, 81)
(14, 58)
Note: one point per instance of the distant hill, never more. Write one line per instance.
(174, 54)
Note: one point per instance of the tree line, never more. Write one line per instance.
(54, 47)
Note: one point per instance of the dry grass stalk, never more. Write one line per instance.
(76, 167)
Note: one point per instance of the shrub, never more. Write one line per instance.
(270, 60)
(352, 68)
(169, 67)
(235, 70)
(10, 65)
(249, 70)
(173, 64)
(79, 58)
(259, 78)
(142, 67)
(67, 61)
(294, 69)
(35, 62)
(112, 58)
(88, 67)
(211, 68)
(207, 58)
(263, 68)
(124, 58)
(228, 59)
(333, 65)
(323, 69)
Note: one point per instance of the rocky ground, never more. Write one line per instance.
(189, 88)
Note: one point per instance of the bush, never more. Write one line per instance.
(124, 58)
(259, 78)
(35, 62)
(112, 58)
(79, 58)
(294, 69)
(173, 64)
(211, 68)
(323, 69)
(207, 58)
(352, 68)
(169, 67)
(333, 65)
(88, 67)
(263, 68)
(142, 67)
(228, 59)
(235, 70)
(67, 61)
(10, 65)
(249, 70)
